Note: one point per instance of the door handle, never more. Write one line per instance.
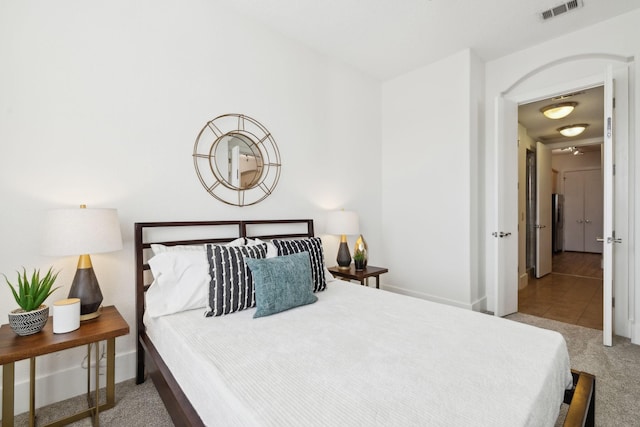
(500, 234)
(540, 226)
(609, 240)
(579, 221)
(588, 221)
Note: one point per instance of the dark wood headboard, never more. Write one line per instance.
(220, 232)
(198, 233)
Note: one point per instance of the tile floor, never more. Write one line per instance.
(572, 293)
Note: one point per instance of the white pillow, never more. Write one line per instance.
(327, 274)
(272, 251)
(181, 282)
(180, 278)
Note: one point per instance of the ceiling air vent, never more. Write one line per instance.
(568, 95)
(560, 9)
(573, 4)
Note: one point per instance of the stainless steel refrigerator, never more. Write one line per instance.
(557, 223)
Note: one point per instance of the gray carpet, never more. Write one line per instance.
(617, 371)
(136, 406)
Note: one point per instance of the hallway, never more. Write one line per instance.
(572, 293)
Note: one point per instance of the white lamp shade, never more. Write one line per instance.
(81, 231)
(342, 222)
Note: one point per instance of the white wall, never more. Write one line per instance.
(568, 162)
(100, 103)
(592, 49)
(429, 141)
(476, 158)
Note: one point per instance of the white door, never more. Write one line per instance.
(609, 233)
(543, 211)
(583, 210)
(234, 171)
(573, 211)
(593, 208)
(505, 232)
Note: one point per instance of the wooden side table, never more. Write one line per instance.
(361, 276)
(13, 348)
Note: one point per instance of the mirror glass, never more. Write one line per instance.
(238, 161)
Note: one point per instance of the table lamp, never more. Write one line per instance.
(82, 232)
(343, 223)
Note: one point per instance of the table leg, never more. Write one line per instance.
(94, 402)
(111, 371)
(32, 392)
(94, 407)
(378, 281)
(8, 377)
(96, 419)
(89, 375)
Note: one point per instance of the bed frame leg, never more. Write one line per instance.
(140, 364)
(581, 400)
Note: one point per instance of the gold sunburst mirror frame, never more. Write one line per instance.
(237, 160)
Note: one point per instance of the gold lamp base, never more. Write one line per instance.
(90, 316)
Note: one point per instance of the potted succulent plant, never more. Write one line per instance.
(359, 260)
(30, 293)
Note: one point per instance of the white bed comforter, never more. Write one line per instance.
(365, 357)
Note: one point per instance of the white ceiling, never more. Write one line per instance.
(590, 110)
(386, 38)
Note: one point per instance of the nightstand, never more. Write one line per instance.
(361, 276)
(13, 348)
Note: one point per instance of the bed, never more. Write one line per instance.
(357, 356)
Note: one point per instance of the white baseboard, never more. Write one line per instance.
(479, 304)
(523, 281)
(64, 384)
(635, 332)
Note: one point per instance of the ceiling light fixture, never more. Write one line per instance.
(572, 130)
(558, 111)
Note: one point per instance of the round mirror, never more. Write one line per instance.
(236, 160)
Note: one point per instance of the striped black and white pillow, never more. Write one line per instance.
(312, 245)
(231, 288)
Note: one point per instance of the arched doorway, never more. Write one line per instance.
(506, 171)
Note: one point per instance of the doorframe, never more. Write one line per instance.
(570, 86)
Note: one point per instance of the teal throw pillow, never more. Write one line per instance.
(281, 283)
